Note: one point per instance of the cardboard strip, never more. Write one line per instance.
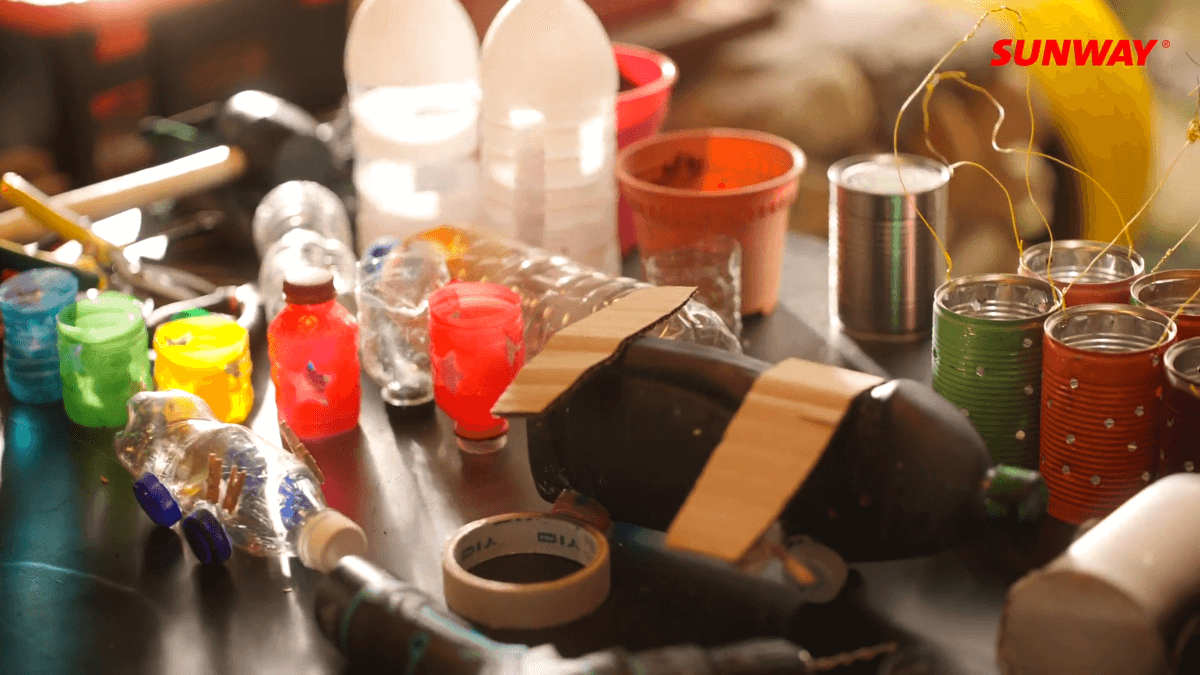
(769, 448)
(585, 345)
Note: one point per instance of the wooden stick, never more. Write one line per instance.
(189, 175)
(795, 569)
(213, 491)
(293, 444)
(233, 490)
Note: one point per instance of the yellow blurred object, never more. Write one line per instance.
(1102, 113)
(451, 243)
(208, 356)
(67, 223)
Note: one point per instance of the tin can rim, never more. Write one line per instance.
(1146, 282)
(1059, 322)
(1182, 361)
(837, 170)
(943, 292)
(1037, 251)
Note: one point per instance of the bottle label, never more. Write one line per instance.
(294, 504)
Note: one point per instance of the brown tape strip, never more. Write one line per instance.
(584, 345)
(769, 448)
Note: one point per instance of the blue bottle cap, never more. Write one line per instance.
(207, 537)
(156, 500)
(382, 247)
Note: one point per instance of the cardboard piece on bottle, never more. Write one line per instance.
(770, 446)
(586, 345)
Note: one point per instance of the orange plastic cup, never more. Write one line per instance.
(733, 182)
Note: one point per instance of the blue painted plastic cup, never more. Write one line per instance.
(30, 303)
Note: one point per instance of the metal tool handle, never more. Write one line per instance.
(189, 175)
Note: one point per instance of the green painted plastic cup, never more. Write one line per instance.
(987, 357)
(104, 358)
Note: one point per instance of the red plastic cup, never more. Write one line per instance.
(640, 111)
(476, 347)
(687, 184)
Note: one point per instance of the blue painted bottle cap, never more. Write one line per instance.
(156, 500)
(207, 537)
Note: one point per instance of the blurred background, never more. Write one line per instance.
(78, 79)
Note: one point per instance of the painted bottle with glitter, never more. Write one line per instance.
(104, 357)
(208, 356)
(30, 303)
(313, 347)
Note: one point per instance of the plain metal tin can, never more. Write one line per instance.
(884, 264)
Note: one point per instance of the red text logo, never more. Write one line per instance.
(1073, 52)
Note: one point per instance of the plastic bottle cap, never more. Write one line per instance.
(309, 286)
(206, 537)
(330, 536)
(156, 500)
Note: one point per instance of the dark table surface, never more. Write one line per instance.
(89, 585)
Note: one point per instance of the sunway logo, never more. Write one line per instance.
(1085, 52)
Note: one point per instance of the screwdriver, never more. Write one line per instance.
(375, 619)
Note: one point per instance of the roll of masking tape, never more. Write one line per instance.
(505, 605)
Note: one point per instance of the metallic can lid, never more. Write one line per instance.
(1110, 329)
(871, 186)
(1168, 291)
(1182, 363)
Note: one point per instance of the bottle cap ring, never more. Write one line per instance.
(505, 605)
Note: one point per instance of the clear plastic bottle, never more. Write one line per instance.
(155, 442)
(412, 71)
(555, 292)
(299, 204)
(280, 509)
(548, 130)
(305, 249)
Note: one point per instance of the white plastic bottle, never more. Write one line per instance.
(412, 70)
(548, 130)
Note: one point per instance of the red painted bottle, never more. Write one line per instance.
(313, 347)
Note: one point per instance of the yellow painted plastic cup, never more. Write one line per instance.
(208, 356)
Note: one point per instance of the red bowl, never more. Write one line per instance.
(640, 111)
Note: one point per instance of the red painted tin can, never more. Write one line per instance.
(1180, 427)
(1110, 270)
(1102, 370)
(1167, 292)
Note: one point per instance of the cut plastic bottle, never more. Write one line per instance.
(548, 130)
(412, 70)
(556, 292)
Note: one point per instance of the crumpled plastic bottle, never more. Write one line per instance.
(280, 510)
(555, 291)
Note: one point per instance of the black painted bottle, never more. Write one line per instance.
(904, 475)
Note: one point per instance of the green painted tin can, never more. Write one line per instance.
(104, 357)
(987, 357)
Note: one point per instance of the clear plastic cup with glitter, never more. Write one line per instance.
(392, 295)
(713, 264)
(30, 303)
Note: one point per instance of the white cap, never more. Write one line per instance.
(327, 537)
